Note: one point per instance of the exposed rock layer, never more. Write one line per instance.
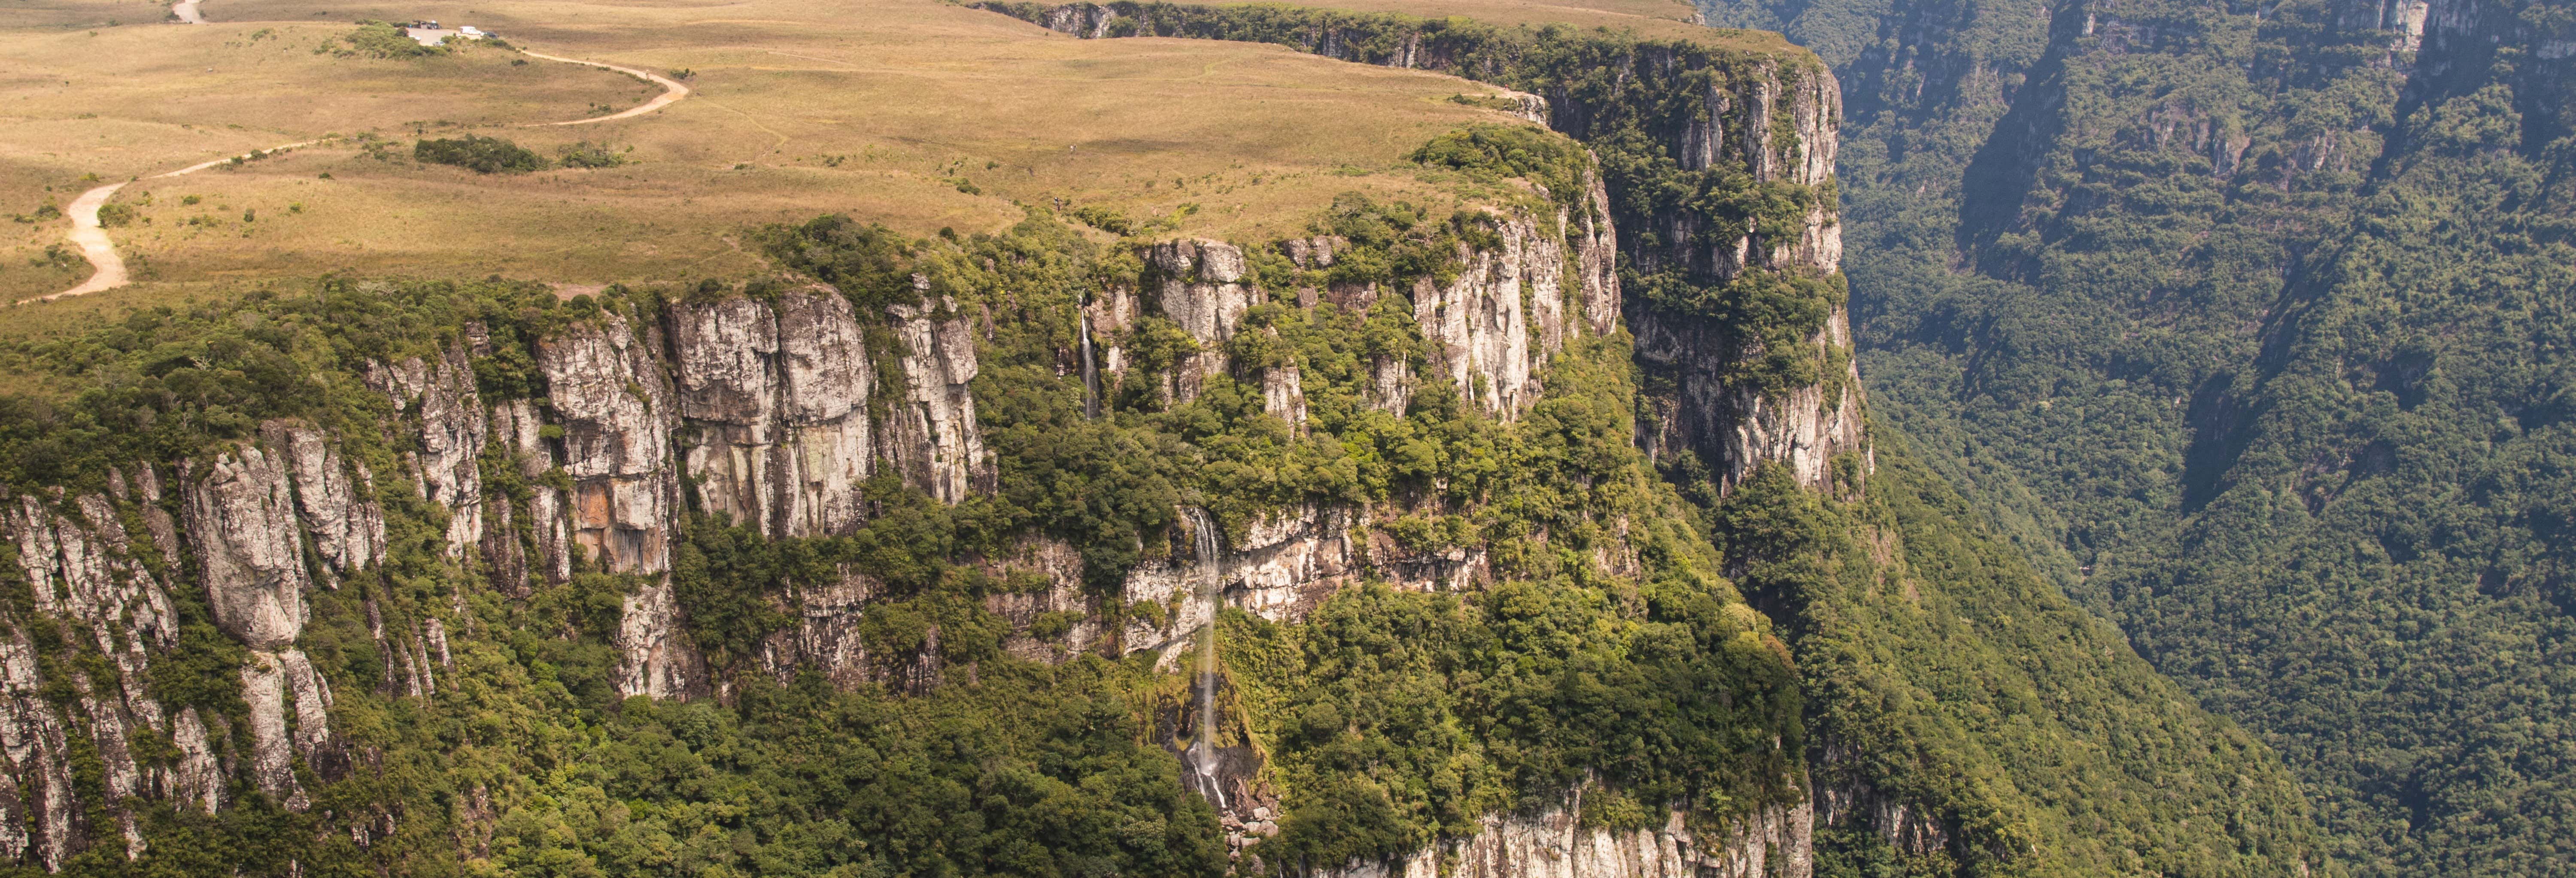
(1773, 842)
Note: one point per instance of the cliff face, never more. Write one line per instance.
(1777, 122)
(1733, 424)
(1553, 844)
(773, 411)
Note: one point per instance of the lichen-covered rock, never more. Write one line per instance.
(83, 568)
(1059, 566)
(39, 807)
(1478, 323)
(615, 411)
(339, 509)
(826, 635)
(1111, 313)
(1736, 426)
(439, 394)
(778, 398)
(724, 370)
(197, 779)
(1203, 293)
(1596, 256)
(1287, 563)
(1283, 395)
(825, 378)
(546, 550)
(934, 438)
(241, 517)
(1390, 384)
(1771, 843)
(278, 685)
(272, 752)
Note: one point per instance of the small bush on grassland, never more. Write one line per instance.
(589, 155)
(376, 39)
(485, 155)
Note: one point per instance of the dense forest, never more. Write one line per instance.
(2249, 324)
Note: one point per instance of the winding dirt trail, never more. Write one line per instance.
(186, 10)
(107, 269)
(672, 90)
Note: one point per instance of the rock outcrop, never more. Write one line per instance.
(1733, 424)
(1482, 322)
(935, 438)
(777, 397)
(81, 568)
(337, 501)
(1773, 841)
(1202, 291)
(241, 516)
(615, 410)
(39, 807)
(439, 396)
(614, 407)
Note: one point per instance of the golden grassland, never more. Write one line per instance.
(919, 114)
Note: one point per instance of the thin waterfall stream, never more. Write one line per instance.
(1090, 370)
(1211, 549)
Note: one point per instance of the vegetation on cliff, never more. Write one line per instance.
(523, 754)
(1863, 581)
(2260, 353)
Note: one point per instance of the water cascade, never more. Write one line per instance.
(1211, 581)
(1090, 370)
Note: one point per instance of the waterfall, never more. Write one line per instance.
(1211, 551)
(1090, 371)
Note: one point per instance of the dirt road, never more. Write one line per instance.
(108, 269)
(672, 90)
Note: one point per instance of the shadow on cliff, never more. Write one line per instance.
(2000, 177)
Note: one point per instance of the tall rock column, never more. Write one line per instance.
(777, 398)
(725, 369)
(1734, 422)
(242, 518)
(440, 394)
(1202, 291)
(935, 438)
(616, 416)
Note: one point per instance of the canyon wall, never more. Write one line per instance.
(1775, 117)
(1772, 841)
(773, 411)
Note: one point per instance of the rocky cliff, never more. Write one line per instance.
(1774, 120)
(1774, 841)
(591, 449)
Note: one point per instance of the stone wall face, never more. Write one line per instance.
(773, 412)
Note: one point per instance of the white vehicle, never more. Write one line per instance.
(470, 31)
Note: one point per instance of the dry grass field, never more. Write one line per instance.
(915, 113)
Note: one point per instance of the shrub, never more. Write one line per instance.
(1493, 152)
(588, 155)
(483, 155)
(1106, 220)
(114, 215)
(376, 39)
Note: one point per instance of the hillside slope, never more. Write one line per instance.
(1968, 718)
(2247, 325)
